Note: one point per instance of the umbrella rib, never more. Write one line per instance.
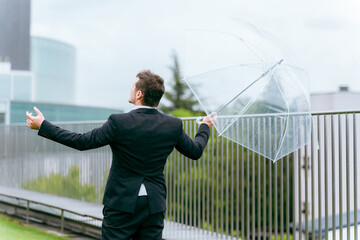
(286, 124)
(241, 113)
(263, 75)
(237, 117)
(288, 114)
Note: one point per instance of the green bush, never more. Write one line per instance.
(66, 186)
(182, 112)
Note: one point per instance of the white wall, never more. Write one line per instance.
(338, 101)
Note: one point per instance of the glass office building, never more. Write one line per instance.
(17, 95)
(37, 71)
(59, 112)
(13, 112)
(53, 64)
(15, 85)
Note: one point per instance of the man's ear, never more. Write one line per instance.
(139, 95)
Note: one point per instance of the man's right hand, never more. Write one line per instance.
(34, 122)
(210, 119)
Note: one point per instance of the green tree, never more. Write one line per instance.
(180, 98)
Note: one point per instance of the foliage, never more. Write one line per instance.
(67, 186)
(217, 171)
(15, 230)
(181, 112)
(180, 96)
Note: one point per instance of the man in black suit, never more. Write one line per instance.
(140, 140)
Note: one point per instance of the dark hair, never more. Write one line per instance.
(152, 86)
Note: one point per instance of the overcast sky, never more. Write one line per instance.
(115, 39)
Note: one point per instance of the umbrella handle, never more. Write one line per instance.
(199, 120)
(213, 117)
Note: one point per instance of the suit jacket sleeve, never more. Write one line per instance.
(194, 148)
(98, 137)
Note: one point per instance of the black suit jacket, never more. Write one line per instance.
(140, 140)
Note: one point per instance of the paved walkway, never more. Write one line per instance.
(92, 213)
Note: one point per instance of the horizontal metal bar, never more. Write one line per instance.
(335, 113)
(51, 206)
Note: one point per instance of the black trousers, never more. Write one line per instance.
(136, 226)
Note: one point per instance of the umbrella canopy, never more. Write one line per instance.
(261, 102)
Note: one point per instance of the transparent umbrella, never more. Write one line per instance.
(261, 102)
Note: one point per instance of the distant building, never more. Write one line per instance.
(37, 71)
(59, 112)
(15, 84)
(342, 100)
(17, 97)
(53, 64)
(15, 33)
(13, 112)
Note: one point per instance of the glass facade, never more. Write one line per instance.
(22, 87)
(5, 86)
(59, 113)
(54, 66)
(16, 85)
(3, 110)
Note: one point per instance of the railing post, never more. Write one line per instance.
(340, 177)
(326, 155)
(62, 220)
(347, 135)
(27, 211)
(313, 140)
(355, 178)
(15, 208)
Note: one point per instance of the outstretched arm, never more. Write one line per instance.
(194, 148)
(98, 137)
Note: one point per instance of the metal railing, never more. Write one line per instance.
(231, 191)
(50, 209)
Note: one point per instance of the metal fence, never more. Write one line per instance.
(231, 191)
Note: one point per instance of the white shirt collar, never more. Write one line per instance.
(141, 106)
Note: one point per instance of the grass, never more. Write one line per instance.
(15, 230)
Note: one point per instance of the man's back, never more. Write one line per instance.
(144, 138)
(141, 141)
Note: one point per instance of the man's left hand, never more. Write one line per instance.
(34, 122)
(210, 119)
